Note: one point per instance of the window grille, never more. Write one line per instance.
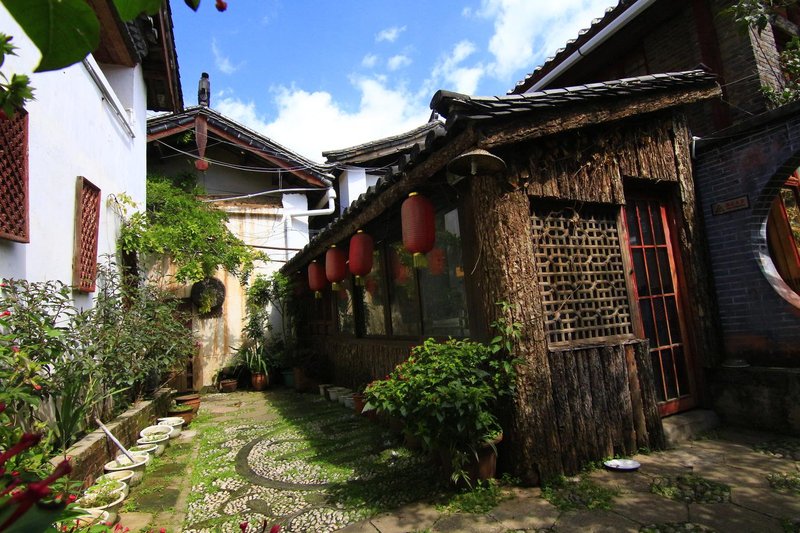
(14, 178)
(87, 225)
(582, 277)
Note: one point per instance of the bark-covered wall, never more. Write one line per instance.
(355, 362)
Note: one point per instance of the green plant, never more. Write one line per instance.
(180, 408)
(191, 233)
(481, 498)
(449, 392)
(254, 356)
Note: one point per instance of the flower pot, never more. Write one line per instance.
(85, 502)
(108, 485)
(228, 385)
(159, 440)
(192, 399)
(479, 468)
(259, 381)
(175, 422)
(93, 517)
(119, 475)
(137, 467)
(358, 403)
(151, 431)
(149, 449)
(180, 412)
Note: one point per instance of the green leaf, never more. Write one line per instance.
(130, 9)
(64, 31)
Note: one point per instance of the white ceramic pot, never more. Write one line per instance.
(115, 485)
(175, 422)
(155, 430)
(85, 502)
(150, 448)
(119, 475)
(125, 464)
(93, 517)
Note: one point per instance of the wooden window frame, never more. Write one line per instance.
(87, 232)
(22, 235)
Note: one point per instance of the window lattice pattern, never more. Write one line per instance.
(88, 221)
(582, 276)
(14, 178)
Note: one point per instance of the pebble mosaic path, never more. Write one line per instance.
(313, 466)
(300, 461)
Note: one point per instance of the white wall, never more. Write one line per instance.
(73, 131)
(353, 182)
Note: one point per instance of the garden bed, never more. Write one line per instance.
(94, 450)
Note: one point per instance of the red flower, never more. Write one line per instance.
(243, 526)
(162, 530)
(222, 5)
(36, 386)
(5, 313)
(275, 529)
(15, 349)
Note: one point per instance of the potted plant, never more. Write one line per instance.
(449, 394)
(184, 411)
(190, 398)
(226, 379)
(254, 355)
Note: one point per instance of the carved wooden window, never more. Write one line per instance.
(87, 226)
(14, 178)
(581, 275)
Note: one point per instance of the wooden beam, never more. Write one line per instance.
(559, 120)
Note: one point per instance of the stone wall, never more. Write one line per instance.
(89, 454)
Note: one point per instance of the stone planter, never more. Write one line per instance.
(228, 385)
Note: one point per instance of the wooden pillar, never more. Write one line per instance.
(505, 271)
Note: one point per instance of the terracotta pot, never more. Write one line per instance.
(259, 381)
(358, 403)
(478, 469)
(228, 385)
(187, 416)
(192, 399)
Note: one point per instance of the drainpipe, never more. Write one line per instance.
(602, 36)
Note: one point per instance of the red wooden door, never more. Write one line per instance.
(657, 292)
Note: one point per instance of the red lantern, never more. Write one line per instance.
(316, 278)
(437, 261)
(361, 249)
(419, 227)
(335, 267)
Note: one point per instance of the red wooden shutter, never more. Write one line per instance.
(87, 227)
(14, 178)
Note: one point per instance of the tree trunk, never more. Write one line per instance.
(505, 271)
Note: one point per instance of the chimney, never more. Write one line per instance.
(204, 91)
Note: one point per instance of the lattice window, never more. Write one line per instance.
(87, 226)
(582, 276)
(14, 178)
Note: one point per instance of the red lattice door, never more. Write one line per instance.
(657, 292)
(14, 178)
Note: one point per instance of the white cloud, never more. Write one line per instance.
(311, 122)
(525, 31)
(398, 61)
(390, 34)
(222, 61)
(449, 73)
(369, 61)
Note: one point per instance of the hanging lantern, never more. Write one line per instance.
(437, 261)
(361, 249)
(419, 227)
(335, 267)
(316, 278)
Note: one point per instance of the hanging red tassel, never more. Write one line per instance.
(316, 278)
(360, 256)
(335, 267)
(419, 227)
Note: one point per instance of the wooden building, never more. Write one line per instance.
(592, 234)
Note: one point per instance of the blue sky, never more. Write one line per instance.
(321, 75)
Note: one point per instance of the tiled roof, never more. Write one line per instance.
(375, 149)
(243, 134)
(572, 45)
(457, 106)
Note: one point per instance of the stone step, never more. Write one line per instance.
(689, 425)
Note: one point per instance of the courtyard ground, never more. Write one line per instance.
(313, 466)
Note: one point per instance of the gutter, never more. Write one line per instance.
(602, 36)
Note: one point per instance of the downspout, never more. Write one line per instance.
(602, 36)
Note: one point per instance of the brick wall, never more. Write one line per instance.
(758, 323)
(94, 450)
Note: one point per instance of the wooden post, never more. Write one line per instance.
(505, 271)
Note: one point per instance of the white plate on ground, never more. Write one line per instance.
(622, 465)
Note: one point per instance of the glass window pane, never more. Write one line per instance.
(373, 298)
(644, 220)
(344, 307)
(669, 373)
(444, 303)
(633, 224)
(658, 227)
(655, 359)
(666, 272)
(680, 369)
(404, 307)
(647, 321)
(641, 274)
(652, 271)
(661, 323)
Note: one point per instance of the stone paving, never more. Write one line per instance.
(313, 466)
